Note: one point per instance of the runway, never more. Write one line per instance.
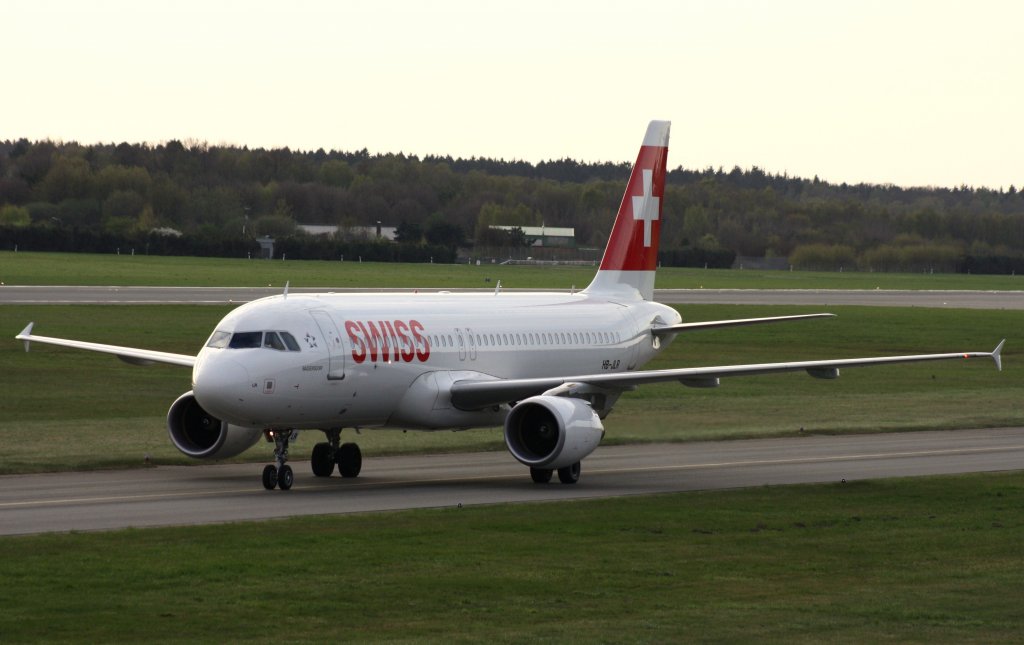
(51, 295)
(187, 495)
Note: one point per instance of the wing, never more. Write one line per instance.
(126, 354)
(477, 394)
(669, 330)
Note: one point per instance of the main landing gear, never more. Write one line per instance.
(568, 475)
(347, 456)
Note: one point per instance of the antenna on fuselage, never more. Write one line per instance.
(286, 289)
(497, 288)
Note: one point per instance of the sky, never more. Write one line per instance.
(896, 92)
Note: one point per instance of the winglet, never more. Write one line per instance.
(25, 335)
(997, 355)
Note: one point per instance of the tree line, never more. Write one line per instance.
(219, 198)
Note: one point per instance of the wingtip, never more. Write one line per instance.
(997, 355)
(25, 335)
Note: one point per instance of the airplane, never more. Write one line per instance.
(548, 367)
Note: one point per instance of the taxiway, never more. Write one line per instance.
(187, 495)
(55, 295)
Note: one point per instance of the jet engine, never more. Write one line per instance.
(552, 432)
(200, 435)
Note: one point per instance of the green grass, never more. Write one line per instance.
(915, 560)
(84, 269)
(71, 410)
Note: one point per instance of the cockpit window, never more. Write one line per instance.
(273, 341)
(289, 341)
(282, 341)
(219, 339)
(246, 339)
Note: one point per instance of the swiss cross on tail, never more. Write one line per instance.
(647, 207)
(627, 268)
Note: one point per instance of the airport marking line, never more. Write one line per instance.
(446, 480)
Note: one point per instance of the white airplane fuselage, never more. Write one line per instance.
(388, 360)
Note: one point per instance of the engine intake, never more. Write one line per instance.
(552, 431)
(198, 434)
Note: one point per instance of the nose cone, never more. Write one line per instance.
(220, 385)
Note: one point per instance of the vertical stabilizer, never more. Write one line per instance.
(631, 257)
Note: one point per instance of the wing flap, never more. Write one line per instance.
(131, 355)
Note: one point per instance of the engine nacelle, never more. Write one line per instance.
(199, 435)
(552, 431)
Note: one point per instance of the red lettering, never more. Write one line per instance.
(371, 339)
(401, 329)
(390, 340)
(358, 346)
(377, 341)
(422, 341)
(385, 325)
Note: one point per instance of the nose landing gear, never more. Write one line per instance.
(281, 475)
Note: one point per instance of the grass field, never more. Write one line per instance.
(911, 561)
(125, 270)
(70, 410)
(922, 560)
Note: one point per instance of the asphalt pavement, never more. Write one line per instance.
(207, 494)
(30, 295)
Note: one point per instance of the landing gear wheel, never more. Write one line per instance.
(270, 477)
(285, 477)
(350, 460)
(322, 460)
(540, 475)
(569, 474)
(279, 475)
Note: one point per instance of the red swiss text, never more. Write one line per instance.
(388, 340)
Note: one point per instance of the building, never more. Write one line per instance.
(355, 232)
(545, 235)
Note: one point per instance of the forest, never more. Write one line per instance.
(193, 198)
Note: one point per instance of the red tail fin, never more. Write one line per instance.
(631, 256)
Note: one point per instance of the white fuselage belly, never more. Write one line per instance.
(389, 358)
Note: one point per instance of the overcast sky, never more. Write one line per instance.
(910, 93)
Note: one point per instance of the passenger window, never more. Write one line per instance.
(219, 339)
(246, 340)
(273, 341)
